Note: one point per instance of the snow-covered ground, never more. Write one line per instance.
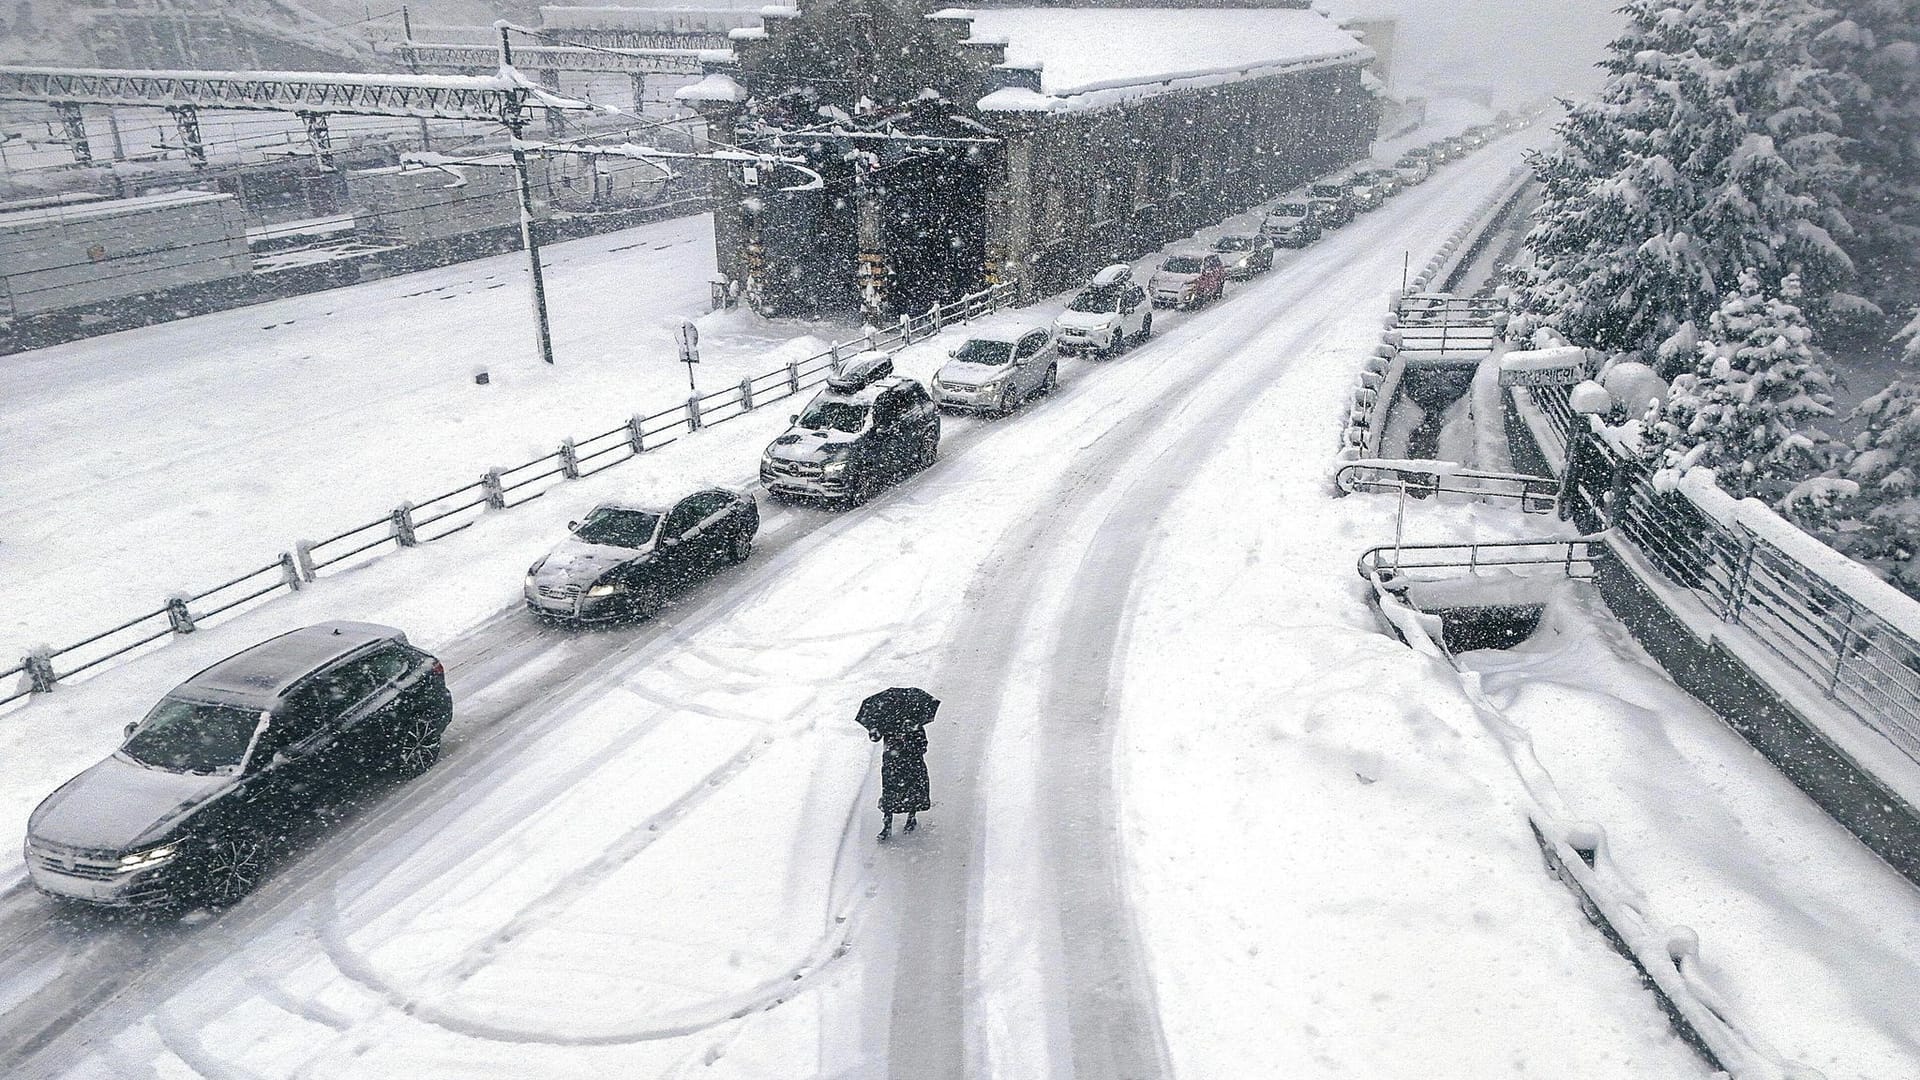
(1194, 813)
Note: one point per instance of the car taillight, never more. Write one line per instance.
(439, 668)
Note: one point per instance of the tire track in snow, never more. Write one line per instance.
(1114, 1029)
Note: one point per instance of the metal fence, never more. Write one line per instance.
(1839, 648)
(1438, 326)
(414, 523)
(1572, 558)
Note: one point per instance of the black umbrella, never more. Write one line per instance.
(896, 709)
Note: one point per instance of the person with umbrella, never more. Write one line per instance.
(898, 717)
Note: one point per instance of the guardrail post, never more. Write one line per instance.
(290, 572)
(303, 558)
(1737, 589)
(693, 412)
(569, 460)
(178, 617)
(496, 490)
(793, 377)
(746, 395)
(41, 678)
(402, 518)
(934, 315)
(906, 329)
(1840, 652)
(636, 435)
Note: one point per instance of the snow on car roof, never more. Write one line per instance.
(1009, 335)
(1094, 57)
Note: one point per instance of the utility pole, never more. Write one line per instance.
(406, 31)
(515, 124)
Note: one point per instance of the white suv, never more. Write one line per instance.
(996, 372)
(1109, 314)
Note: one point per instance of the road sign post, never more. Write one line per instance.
(688, 337)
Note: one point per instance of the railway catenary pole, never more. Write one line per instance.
(516, 124)
(406, 33)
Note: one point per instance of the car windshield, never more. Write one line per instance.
(187, 736)
(1181, 264)
(1326, 191)
(1233, 243)
(1096, 300)
(618, 528)
(848, 416)
(984, 352)
(1291, 209)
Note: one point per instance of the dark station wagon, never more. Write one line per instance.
(193, 805)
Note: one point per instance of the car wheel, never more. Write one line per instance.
(930, 450)
(1146, 329)
(857, 490)
(1052, 382)
(1113, 344)
(1009, 399)
(741, 546)
(416, 747)
(231, 866)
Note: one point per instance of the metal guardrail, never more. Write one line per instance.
(411, 524)
(1536, 494)
(1572, 557)
(1839, 648)
(1437, 325)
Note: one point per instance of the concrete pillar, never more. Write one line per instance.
(556, 119)
(1010, 210)
(639, 92)
(75, 127)
(733, 246)
(874, 271)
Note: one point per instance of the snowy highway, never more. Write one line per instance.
(1193, 814)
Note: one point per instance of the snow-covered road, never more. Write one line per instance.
(648, 850)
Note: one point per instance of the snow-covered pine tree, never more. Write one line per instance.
(1748, 407)
(1880, 524)
(1712, 148)
(1876, 47)
(1614, 263)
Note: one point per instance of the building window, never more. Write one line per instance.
(1142, 186)
(1100, 202)
(1173, 172)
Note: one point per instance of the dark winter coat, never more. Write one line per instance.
(904, 785)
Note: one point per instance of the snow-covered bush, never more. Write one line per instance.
(1880, 524)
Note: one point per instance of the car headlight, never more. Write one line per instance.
(151, 857)
(836, 467)
(606, 588)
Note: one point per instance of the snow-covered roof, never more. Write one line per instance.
(60, 214)
(715, 87)
(1095, 57)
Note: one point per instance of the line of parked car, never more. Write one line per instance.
(208, 787)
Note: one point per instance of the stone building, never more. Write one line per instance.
(1054, 141)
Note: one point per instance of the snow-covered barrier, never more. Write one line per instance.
(1809, 656)
(414, 523)
(1666, 955)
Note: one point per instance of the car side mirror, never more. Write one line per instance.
(671, 541)
(953, 352)
(794, 419)
(573, 526)
(127, 732)
(279, 758)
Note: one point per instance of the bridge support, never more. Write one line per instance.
(75, 127)
(187, 119)
(639, 93)
(319, 138)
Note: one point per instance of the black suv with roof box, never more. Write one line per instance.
(869, 427)
(194, 803)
